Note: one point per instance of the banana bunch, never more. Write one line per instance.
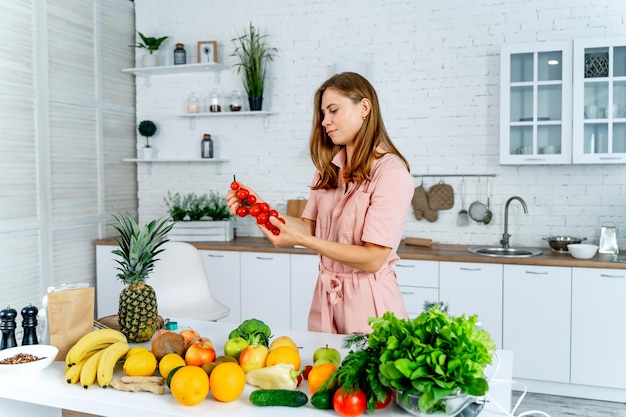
(94, 356)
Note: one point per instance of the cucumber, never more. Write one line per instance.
(278, 397)
(323, 399)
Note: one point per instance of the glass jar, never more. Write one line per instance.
(206, 146)
(180, 55)
(193, 103)
(214, 105)
(235, 101)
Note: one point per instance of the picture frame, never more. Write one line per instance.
(207, 52)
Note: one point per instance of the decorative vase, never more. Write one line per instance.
(148, 152)
(150, 60)
(256, 103)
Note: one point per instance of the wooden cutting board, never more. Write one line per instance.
(296, 207)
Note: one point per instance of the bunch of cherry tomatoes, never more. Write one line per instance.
(249, 206)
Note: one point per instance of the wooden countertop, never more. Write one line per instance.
(437, 252)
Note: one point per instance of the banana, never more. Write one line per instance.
(72, 373)
(90, 369)
(92, 341)
(107, 363)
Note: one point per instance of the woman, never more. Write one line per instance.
(356, 212)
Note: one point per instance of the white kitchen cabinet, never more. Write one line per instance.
(474, 288)
(223, 273)
(598, 331)
(599, 101)
(535, 103)
(304, 271)
(536, 318)
(419, 283)
(265, 288)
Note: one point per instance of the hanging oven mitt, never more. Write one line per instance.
(420, 205)
(441, 197)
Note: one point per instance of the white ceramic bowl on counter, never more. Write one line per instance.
(582, 250)
(47, 353)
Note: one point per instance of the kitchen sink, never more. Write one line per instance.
(500, 252)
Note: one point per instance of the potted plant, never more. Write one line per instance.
(151, 44)
(253, 53)
(147, 129)
(199, 217)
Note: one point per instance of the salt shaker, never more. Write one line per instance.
(29, 323)
(7, 325)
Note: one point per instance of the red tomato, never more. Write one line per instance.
(265, 207)
(242, 194)
(276, 232)
(281, 220)
(306, 371)
(383, 404)
(251, 199)
(242, 211)
(261, 218)
(255, 210)
(234, 185)
(350, 404)
(272, 213)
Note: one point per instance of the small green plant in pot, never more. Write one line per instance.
(253, 53)
(197, 207)
(151, 44)
(147, 129)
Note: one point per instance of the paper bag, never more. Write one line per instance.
(70, 317)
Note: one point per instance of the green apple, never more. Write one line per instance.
(233, 347)
(326, 355)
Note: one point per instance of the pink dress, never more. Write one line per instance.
(373, 211)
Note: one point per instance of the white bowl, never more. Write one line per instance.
(582, 250)
(47, 353)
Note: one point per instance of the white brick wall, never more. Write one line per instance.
(436, 70)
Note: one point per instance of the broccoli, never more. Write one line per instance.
(254, 331)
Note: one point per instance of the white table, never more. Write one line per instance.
(47, 393)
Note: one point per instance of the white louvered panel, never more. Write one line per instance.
(73, 161)
(17, 44)
(18, 182)
(71, 48)
(20, 281)
(74, 260)
(117, 33)
(120, 179)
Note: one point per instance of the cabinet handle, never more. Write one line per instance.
(404, 266)
(537, 272)
(264, 258)
(470, 269)
(215, 256)
(611, 276)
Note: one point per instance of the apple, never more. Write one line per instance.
(282, 341)
(199, 353)
(326, 355)
(233, 347)
(189, 335)
(253, 357)
(201, 339)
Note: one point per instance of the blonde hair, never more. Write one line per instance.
(371, 135)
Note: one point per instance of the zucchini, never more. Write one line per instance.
(323, 399)
(278, 397)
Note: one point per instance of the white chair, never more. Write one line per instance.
(181, 284)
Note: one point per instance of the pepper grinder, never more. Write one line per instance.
(7, 325)
(29, 323)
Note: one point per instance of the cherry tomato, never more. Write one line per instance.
(261, 218)
(276, 232)
(242, 194)
(265, 207)
(234, 185)
(383, 404)
(272, 213)
(349, 404)
(242, 211)
(255, 210)
(306, 371)
(280, 219)
(251, 199)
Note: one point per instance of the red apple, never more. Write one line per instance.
(199, 353)
(253, 357)
(189, 335)
(201, 339)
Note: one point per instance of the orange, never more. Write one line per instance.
(320, 374)
(140, 364)
(284, 354)
(227, 381)
(190, 385)
(169, 362)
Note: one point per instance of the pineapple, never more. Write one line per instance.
(138, 248)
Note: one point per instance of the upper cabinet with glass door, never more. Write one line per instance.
(535, 103)
(599, 101)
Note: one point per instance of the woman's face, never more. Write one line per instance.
(342, 118)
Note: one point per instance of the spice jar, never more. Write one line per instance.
(235, 101)
(206, 146)
(215, 103)
(193, 104)
(180, 55)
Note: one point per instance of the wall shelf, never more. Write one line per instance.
(148, 72)
(217, 161)
(264, 114)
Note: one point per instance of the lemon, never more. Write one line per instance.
(137, 349)
(140, 364)
(169, 362)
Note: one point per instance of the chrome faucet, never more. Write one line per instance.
(506, 236)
